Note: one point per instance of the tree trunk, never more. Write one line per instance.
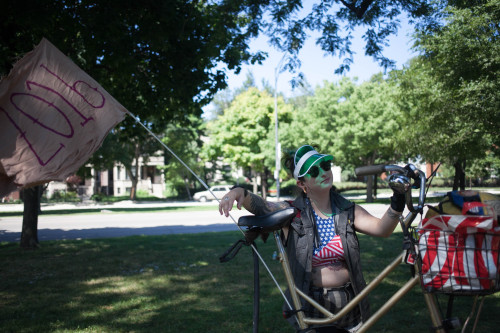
(133, 188)
(459, 178)
(263, 184)
(29, 233)
(186, 183)
(369, 188)
(96, 182)
(462, 177)
(370, 178)
(255, 188)
(135, 178)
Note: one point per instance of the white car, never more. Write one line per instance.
(218, 191)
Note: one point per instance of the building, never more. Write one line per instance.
(116, 181)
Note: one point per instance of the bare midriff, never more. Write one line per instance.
(331, 275)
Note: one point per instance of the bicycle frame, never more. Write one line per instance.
(430, 299)
(305, 322)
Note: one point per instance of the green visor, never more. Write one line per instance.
(305, 157)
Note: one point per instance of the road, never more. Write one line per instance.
(110, 224)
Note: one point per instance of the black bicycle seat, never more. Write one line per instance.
(269, 222)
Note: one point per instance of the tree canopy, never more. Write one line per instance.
(289, 25)
(162, 59)
(451, 90)
(185, 140)
(158, 58)
(357, 124)
(244, 134)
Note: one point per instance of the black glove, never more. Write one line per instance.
(398, 202)
(413, 175)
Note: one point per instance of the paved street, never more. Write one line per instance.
(109, 224)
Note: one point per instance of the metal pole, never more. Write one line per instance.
(277, 145)
(290, 281)
(277, 171)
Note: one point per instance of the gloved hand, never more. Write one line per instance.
(398, 202)
(411, 173)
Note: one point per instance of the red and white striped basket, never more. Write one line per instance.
(459, 254)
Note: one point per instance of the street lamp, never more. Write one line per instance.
(277, 71)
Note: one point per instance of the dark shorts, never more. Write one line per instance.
(334, 299)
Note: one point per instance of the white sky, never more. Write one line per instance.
(318, 67)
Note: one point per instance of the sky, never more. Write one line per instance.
(318, 67)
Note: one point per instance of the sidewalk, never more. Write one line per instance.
(104, 224)
(5, 207)
(96, 205)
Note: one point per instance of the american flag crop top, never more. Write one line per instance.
(331, 249)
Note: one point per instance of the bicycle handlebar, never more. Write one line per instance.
(410, 171)
(370, 170)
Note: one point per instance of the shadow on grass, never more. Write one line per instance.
(173, 283)
(134, 284)
(77, 234)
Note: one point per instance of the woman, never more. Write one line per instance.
(321, 241)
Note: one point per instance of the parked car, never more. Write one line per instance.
(218, 191)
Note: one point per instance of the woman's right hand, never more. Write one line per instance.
(226, 204)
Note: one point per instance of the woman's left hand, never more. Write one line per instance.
(226, 204)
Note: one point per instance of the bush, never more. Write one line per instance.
(442, 182)
(96, 197)
(289, 188)
(347, 186)
(63, 196)
(491, 182)
(143, 194)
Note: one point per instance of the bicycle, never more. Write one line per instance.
(401, 180)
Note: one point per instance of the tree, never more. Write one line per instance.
(450, 92)
(116, 149)
(185, 139)
(482, 169)
(355, 123)
(158, 58)
(336, 20)
(367, 127)
(242, 135)
(223, 99)
(29, 235)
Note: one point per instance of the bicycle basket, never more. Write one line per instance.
(459, 254)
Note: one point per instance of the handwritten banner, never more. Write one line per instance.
(53, 117)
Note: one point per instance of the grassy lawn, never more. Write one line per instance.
(175, 283)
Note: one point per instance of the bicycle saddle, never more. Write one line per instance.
(269, 222)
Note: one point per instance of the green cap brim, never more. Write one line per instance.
(313, 160)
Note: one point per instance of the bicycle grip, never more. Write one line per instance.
(370, 170)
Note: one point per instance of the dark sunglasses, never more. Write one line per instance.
(314, 170)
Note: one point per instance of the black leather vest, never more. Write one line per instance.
(300, 242)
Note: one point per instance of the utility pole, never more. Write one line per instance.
(277, 71)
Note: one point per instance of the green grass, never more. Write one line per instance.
(175, 283)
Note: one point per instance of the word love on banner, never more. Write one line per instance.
(53, 117)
